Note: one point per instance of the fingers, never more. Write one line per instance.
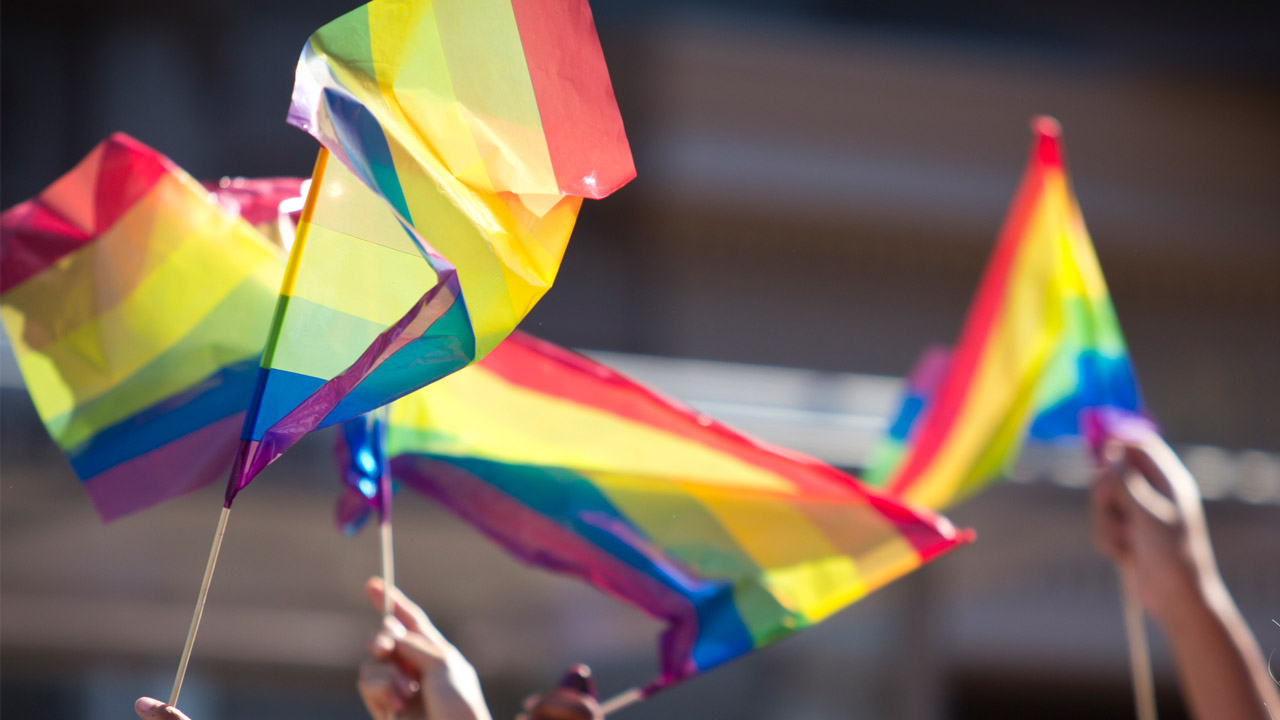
(152, 709)
(413, 618)
(1144, 457)
(1109, 506)
(404, 609)
(420, 651)
(574, 699)
(383, 645)
(562, 704)
(413, 650)
(579, 679)
(385, 688)
(1152, 476)
(1165, 471)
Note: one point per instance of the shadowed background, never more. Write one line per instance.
(819, 185)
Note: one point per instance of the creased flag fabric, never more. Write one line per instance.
(507, 96)
(360, 323)
(1040, 346)
(365, 313)
(576, 469)
(137, 309)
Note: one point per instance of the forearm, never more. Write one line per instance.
(1220, 665)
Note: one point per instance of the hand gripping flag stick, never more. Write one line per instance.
(1098, 426)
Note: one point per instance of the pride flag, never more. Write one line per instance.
(576, 469)
(137, 308)
(341, 340)
(458, 147)
(506, 96)
(1040, 348)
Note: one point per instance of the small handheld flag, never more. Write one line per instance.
(137, 308)
(466, 132)
(573, 468)
(1041, 345)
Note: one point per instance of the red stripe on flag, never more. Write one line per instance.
(546, 369)
(580, 120)
(541, 367)
(31, 239)
(77, 207)
(987, 305)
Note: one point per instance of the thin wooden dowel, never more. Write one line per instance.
(1144, 687)
(388, 569)
(204, 594)
(388, 559)
(621, 700)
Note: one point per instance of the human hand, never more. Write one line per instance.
(574, 699)
(152, 709)
(413, 671)
(1149, 519)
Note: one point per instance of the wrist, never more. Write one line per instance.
(1201, 602)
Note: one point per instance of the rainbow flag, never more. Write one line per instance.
(351, 322)
(574, 468)
(137, 309)
(437, 229)
(1041, 347)
(506, 96)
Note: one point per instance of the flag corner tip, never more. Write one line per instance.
(1047, 134)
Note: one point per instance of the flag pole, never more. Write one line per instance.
(384, 521)
(200, 599)
(1144, 689)
(388, 565)
(388, 569)
(384, 508)
(623, 699)
(291, 271)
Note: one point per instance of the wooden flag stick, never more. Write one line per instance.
(388, 568)
(621, 700)
(204, 594)
(1144, 688)
(388, 549)
(388, 575)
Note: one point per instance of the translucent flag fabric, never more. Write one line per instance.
(137, 307)
(477, 127)
(1040, 348)
(573, 468)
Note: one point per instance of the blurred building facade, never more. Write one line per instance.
(819, 185)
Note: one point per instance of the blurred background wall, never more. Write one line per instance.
(819, 185)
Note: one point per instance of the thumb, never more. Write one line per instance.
(152, 709)
(409, 613)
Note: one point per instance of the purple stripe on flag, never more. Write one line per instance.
(254, 455)
(528, 534)
(196, 460)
